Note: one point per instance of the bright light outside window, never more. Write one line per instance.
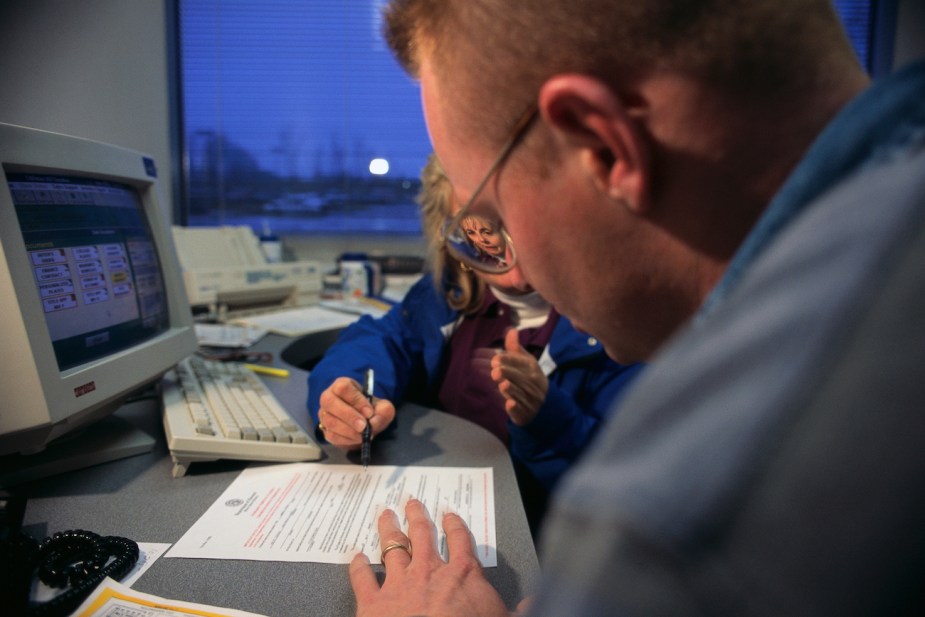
(379, 167)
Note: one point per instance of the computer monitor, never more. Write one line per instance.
(92, 303)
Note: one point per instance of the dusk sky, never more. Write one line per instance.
(324, 87)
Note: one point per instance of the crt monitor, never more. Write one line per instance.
(91, 298)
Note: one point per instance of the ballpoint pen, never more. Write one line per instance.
(368, 431)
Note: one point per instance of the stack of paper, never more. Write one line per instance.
(299, 321)
(228, 335)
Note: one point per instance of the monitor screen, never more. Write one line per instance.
(91, 294)
(96, 269)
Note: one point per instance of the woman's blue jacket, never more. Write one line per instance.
(406, 348)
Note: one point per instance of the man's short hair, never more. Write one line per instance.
(502, 51)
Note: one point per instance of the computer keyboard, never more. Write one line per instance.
(222, 410)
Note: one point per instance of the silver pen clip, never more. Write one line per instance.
(366, 448)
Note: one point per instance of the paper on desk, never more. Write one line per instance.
(227, 335)
(299, 321)
(148, 553)
(358, 306)
(112, 599)
(328, 513)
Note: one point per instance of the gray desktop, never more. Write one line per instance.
(138, 498)
(96, 312)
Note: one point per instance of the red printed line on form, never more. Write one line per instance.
(256, 536)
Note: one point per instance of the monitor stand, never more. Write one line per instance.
(110, 439)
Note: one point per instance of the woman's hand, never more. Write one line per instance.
(520, 380)
(344, 411)
(417, 580)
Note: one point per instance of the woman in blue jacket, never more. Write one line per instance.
(484, 347)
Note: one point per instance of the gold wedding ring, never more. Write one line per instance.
(391, 546)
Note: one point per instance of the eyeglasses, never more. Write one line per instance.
(478, 239)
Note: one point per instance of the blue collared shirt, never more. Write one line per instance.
(884, 123)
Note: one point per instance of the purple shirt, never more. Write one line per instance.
(469, 392)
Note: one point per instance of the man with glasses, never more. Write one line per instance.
(712, 185)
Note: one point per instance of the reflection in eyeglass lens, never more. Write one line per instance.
(480, 242)
(484, 235)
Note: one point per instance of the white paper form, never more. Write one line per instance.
(322, 513)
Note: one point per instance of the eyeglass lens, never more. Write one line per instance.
(478, 239)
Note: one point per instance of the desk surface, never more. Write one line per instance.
(139, 499)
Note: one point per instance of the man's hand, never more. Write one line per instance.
(520, 380)
(344, 410)
(417, 580)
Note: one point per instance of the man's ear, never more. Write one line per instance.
(586, 114)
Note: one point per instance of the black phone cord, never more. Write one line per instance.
(81, 560)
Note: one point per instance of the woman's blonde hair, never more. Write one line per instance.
(464, 290)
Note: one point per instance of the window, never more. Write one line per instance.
(869, 24)
(295, 115)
